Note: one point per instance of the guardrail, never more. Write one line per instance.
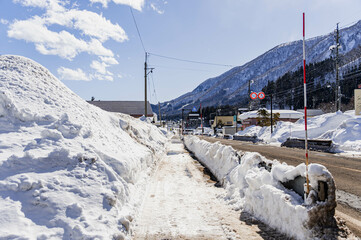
(313, 144)
(253, 139)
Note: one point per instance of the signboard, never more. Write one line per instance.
(253, 95)
(234, 118)
(357, 101)
(261, 95)
(194, 109)
(193, 115)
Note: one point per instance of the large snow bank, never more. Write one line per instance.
(257, 185)
(342, 128)
(68, 170)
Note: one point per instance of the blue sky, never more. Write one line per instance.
(94, 48)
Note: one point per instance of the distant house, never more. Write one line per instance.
(223, 120)
(133, 108)
(250, 118)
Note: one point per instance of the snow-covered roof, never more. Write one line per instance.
(283, 114)
(312, 112)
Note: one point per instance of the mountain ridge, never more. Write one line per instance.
(231, 87)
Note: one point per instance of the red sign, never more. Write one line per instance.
(253, 95)
(261, 95)
(359, 86)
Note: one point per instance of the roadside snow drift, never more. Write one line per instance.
(68, 170)
(344, 129)
(271, 190)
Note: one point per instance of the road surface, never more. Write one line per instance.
(182, 203)
(345, 170)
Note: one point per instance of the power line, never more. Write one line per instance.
(136, 25)
(176, 68)
(154, 91)
(191, 61)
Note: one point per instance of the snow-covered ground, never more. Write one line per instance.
(182, 203)
(344, 129)
(68, 170)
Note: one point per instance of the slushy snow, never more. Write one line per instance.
(68, 170)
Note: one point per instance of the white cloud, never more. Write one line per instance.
(47, 4)
(4, 21)
(103, 2)
(48, 42)
(102, 77)
(89, 23)
(136, 4)
(109, 60)
(70, 74)
(156, 9)
(96, 28)
(100, 67)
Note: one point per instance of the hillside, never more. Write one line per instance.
(231, 87)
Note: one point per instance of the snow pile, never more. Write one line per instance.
(68, 170)
(342, 128)
(257, 185)
(206, 131)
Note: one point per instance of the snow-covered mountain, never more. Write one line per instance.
(232, 86)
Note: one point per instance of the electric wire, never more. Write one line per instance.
(191, 61)
(176, 68)
(154, 91)
(136, 26)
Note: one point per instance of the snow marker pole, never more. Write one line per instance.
(200, 109)
(305, 101)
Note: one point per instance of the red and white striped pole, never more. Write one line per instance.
(305, 101)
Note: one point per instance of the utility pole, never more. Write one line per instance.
(182, 121)
(236, 118)
(145, 85)
(271, 115)
(200, 109)
(160, 116)
(337, 105)
(339, 97)
(249, 94)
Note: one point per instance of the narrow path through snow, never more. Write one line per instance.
(182, 203)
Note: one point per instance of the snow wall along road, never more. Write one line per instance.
(68, 170)
(270, 190)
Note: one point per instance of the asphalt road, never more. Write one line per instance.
(345, 170)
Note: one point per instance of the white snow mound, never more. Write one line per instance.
(68, 170)
(258, 185)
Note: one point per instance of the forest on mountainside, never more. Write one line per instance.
(287, 91)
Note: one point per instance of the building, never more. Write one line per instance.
(132, 108)
(224, 121)
(250, 118)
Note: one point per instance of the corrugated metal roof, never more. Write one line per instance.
(133, 108)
